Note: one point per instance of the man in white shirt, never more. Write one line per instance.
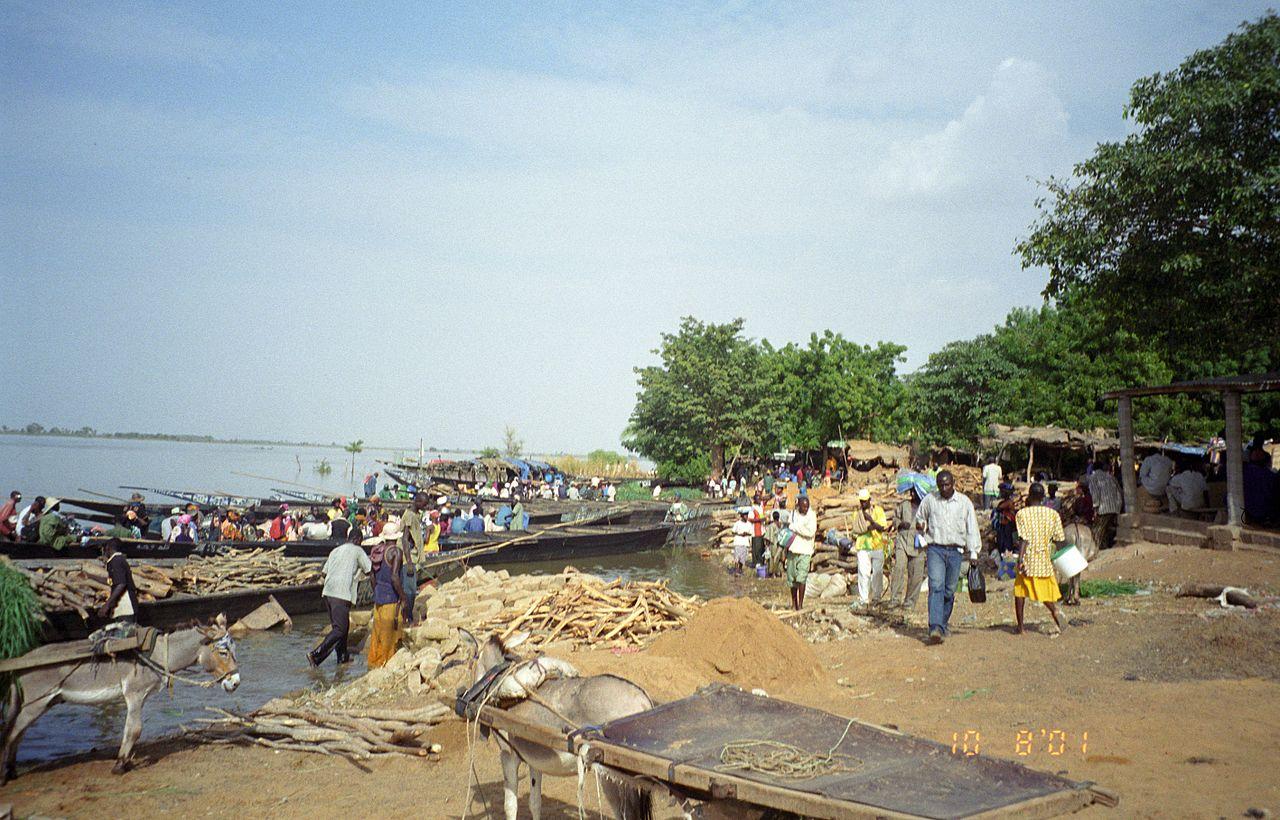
(950, 528)
(342, 571)
(1153, 479)
(1187, 490)
(992, 475)
(804, 526)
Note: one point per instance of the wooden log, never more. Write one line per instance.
(1235, 597)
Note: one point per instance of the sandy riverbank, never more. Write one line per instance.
(1180, 700)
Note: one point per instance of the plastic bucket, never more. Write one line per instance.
(762, 571)
(1069, 562)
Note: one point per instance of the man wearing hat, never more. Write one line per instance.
(870, 527)
(342, 571)
(54, 530)
(140, 511)
(167, 525)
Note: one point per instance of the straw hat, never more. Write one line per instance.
(51, 502)
(864, 494)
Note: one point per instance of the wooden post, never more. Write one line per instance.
(1235, 460)
(1128, 475)
(1031, 458)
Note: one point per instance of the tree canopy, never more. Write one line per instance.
(1174, 232)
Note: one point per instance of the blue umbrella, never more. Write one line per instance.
(923, 483)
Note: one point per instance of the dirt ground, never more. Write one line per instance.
(1180, 700)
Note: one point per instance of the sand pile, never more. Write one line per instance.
(735, 640)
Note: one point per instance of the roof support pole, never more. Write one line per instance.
(1235, 459)
(1128, 473)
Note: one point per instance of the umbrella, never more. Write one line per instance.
(923, 483)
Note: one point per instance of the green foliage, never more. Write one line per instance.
(490, 452)
(1103, 588)
(606, 457)
(706, 395)
(1175, 231)
(636, 491)
(832, 388)
(21, 616)
(955, 395)
(322, 467)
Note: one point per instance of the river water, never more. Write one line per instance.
(272, 663)
(66, 467)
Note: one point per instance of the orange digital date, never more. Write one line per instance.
(1026, 742)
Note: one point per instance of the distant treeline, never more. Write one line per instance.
(34, 429)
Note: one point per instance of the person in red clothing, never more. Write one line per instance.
(9, 517)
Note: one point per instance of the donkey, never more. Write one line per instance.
(100, 680)
(591, 701)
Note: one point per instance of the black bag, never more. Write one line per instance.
(977, 585)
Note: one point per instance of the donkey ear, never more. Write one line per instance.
(221, 620)
(469, 640)
(514, 641)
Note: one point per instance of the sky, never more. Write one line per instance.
(432, 220)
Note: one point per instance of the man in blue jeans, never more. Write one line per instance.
(950, 528)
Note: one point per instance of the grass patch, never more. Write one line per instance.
(635, 491)
(1100, 588)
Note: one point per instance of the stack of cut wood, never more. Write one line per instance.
(85, 587)
(588, 611)
(244, 569)
(354, 733)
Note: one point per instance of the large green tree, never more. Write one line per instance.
(1174, 232)
(704, 398)
(830, 388)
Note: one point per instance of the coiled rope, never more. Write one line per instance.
(777, 759)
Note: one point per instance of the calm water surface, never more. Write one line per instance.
(65, 467)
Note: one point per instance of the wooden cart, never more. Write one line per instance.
(885, 774)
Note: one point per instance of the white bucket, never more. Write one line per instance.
(1069, 562)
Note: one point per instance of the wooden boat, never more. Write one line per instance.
(564, 544)
(131, 547)
(167, 613)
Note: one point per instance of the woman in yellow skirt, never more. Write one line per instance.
(1038, 528)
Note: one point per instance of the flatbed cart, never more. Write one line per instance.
(880, 772)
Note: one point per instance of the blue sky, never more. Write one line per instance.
(434, 219)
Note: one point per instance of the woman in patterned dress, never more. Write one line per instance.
(1038, 527)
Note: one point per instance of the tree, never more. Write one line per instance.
(353, 448)
(490, 452)
(704, 398)
(511, 445)
(957, 393)
(831, 388)
(1175, 231)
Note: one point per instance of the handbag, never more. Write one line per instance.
(977, 585)
(785, 537)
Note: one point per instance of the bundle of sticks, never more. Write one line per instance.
(84, 588)
(240, 569)
(588, 611)
(354, 733)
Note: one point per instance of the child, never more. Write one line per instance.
(776, 554)
(742, 532)
(1002, 521)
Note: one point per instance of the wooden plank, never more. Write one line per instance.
(1235, 459)
(55, 654)
(1128, 469)
(714, 784)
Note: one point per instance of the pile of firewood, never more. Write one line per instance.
(588, 611)
(353, 733)
(84, 588)
(243, 569)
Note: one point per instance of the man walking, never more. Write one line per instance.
(870, 528)
(1107, 503)
(992, 475)
(950, 528)
(908, 559)
(412, 546)
(342, 571)
(804, 528)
